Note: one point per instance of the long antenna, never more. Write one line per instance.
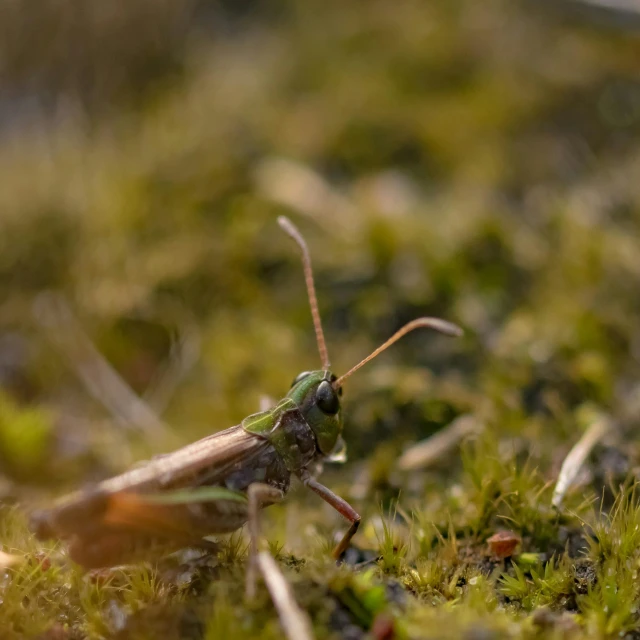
(292, 230)
(442, 326)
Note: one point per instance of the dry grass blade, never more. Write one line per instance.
(184, 354)
(425, 453)
(576, 457)
(54, 315)
(9, 560)
(294, 620)
(299, 187)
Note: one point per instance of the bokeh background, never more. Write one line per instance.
(474, 161)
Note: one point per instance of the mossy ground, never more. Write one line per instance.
(475, 161)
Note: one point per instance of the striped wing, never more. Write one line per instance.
(114, 521)
(213, 456)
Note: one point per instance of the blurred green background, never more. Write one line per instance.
(475, 161)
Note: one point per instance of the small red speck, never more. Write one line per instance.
(56, 632)
(43, 560)
(100, 576)
(503, 544)
(383, 627)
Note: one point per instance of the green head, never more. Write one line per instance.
(319, 403)
(318, 393)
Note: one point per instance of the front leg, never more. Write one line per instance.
(258, 494)
(340, 505)
(295, 622)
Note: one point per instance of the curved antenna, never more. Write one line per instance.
(448, 328)
(292, 230)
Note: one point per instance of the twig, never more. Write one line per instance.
(266, 402)
(54, 315)
(625, 12)
(299, 187)
(576, 457)
(425, 453)
(294, 620)
(183, 355)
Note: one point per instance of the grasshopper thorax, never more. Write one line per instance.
(319, 403)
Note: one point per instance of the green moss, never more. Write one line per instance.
(610, 606)
(441, 159)
(25, 437)
(550, 584)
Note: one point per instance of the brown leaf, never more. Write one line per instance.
(503, 544)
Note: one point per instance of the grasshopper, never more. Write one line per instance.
(219, 483)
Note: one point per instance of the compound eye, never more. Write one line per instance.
(300, 376)
(327, 398)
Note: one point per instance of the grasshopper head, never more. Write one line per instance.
(318, 393)
(319, 403)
